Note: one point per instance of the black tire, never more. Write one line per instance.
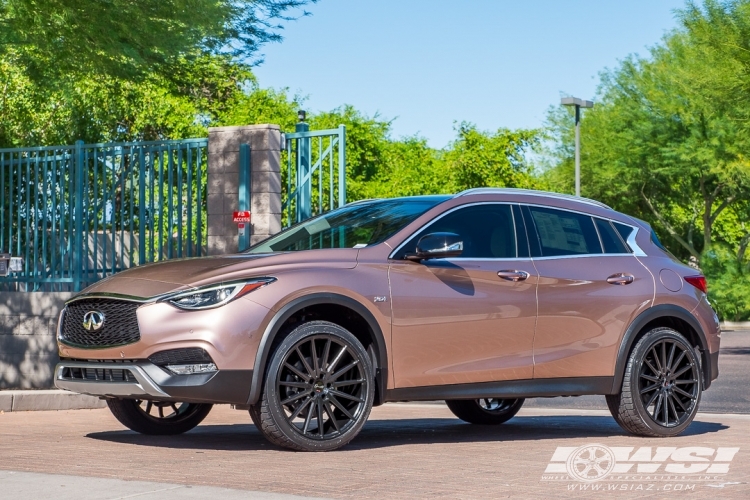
(485, 411)
(320, 373)
(158, 418)
(656, 373)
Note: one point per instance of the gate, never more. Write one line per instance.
(315, 174)
(77, 214)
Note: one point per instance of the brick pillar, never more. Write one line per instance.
(223, 184)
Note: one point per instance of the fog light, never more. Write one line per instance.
(188, 369)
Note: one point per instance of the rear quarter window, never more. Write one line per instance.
(565, 233)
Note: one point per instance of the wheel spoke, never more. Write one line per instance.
(664, 355)
(320, 417)
(336, 360)
(149, 405)
(683, 370)
(658, 406)
(299, 385)
(161, 411)
(650, 401)
(299, 409)
(344, 383)
(344, 369)
(656, 359)
(671, 356)
(679, 402)
(296, 371)
(307, 419)
(680, 391)
(665, 410)
(345, 395)
(295, 397)
(174, 407)
(683, 382)
(648, 363)
(307, 366)
(649, 378)
(672, 407)
(677, 361)
(649, 388)
(341, 407)
(324, 358)
(331, 417)
(314, 355)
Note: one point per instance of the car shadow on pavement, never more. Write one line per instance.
(390, 433)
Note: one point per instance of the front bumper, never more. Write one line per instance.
(144, 380)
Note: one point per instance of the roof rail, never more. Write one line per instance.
(533, 192)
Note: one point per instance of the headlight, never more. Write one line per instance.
(216, 295)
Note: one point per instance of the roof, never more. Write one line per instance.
(533, 192)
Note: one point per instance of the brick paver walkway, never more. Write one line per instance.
(404, 451)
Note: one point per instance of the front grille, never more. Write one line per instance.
(184, 356)
(98, 374)
(120, 325)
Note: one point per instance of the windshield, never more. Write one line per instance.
(353, 226)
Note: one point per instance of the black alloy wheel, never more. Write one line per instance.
(158, 417)
(318, 391)
(485, 411)
(661, 388)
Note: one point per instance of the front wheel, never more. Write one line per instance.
(318, 390)
(158, 417)
(485, 411)
(661, 387)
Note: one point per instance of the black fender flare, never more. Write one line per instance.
(294, 306)
(656, 312)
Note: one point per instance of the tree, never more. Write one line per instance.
(133, 38)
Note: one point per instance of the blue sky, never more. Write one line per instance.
(429, 63)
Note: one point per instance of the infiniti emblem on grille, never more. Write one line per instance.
(93, 320)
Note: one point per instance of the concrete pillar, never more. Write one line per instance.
(223, 184)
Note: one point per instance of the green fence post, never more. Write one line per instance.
(304, 184)
(244, 195)
(342, 165)
(78, 217)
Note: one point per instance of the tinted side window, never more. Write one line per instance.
(610, 239)
(487, 231)
(565, 233)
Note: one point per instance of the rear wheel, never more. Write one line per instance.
(158, 417)
(318, 390)
(661, 387)
(485, 411)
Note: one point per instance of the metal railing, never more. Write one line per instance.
(77, 214)
(315, 174)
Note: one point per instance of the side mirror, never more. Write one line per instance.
(437, 246)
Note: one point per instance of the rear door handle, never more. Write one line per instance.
(620, 279)
(513, 275)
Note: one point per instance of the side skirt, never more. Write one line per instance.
(511, 389)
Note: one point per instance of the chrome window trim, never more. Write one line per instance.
(532, 192)
(431, 222)
(637, 251)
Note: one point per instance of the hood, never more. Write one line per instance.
(181, 274)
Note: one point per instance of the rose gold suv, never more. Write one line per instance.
(481, 299)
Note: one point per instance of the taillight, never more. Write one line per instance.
(698, 282)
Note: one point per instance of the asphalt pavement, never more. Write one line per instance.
(730, 393)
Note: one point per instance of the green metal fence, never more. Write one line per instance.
(315, 177)
(77, 214)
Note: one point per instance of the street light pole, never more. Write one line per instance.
(578, 103)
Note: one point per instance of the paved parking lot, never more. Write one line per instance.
(404, 451)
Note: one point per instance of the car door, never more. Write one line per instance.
(590, 287)
(456, 320)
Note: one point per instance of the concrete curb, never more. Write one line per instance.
(47, 400)
(735, 325)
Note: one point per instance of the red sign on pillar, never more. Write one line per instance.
(241, 217)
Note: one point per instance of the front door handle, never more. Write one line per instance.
(620, 279)
(513, 275)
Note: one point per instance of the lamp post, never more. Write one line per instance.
(578, 103)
